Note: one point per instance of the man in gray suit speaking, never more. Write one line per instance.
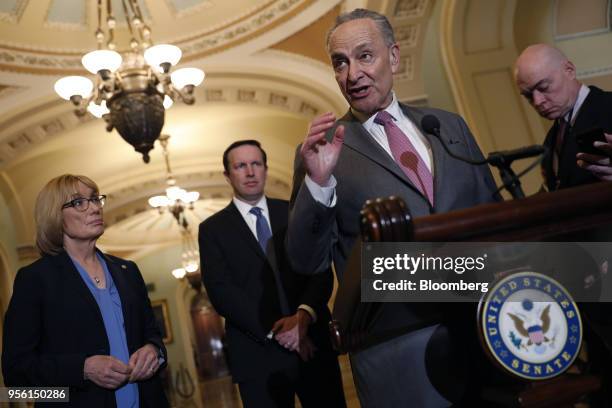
(378, 149)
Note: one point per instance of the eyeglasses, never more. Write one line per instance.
(82, 204)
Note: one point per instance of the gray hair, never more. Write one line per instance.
(381, 21)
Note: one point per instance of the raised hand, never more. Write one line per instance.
(600, 166)
(318, 155)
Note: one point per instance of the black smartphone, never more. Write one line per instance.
(585, 141)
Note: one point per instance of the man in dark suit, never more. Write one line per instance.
(378, 149)
(547, 79)
(276, 321)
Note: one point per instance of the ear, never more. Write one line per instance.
(226, 175)
(569, 69)
(394, 57)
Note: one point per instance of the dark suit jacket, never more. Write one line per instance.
(318, 234)
(596, 112)
(53, 324)
(239, 280)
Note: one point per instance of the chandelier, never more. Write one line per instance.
(190, 256)
(133, 90)
(177, 201)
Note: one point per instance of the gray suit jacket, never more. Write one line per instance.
(318, 235)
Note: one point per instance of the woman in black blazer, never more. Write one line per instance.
(79, 318)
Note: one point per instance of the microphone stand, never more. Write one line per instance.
(509, 178)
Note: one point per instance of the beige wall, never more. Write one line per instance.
(478, 50)
(479, 42)
(155, 269)
(437, 88)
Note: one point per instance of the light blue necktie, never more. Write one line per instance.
(262, 228)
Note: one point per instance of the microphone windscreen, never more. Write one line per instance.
(430, 124)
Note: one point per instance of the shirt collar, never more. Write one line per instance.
(582, 95)
(393, 109)
(244, 208)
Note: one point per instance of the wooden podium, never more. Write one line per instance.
(578, 214)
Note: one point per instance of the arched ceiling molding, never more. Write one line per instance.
(349, 5)
(286, 69)
(409, 19)
(23, 92)
(294, 94)
(478, 51)
(255, 31)
(293, 25)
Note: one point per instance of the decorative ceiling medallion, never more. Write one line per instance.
(265, 19)
(12, 10)
(410, 8)
(66, 15)
(187, 8)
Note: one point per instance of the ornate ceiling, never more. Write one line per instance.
(267, 77)
(251, 91)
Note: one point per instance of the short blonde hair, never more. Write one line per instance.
(48, 213)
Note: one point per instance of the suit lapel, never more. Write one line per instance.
(439, 155)
(586, 117)
(588, 113)
(278, 217)
(75, 284)
(243, 232)
(358, 139)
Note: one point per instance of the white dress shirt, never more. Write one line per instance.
(251, 221)
(582, 95)
(326, 195)
(250, 218)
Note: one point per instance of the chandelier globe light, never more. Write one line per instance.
(132, 89)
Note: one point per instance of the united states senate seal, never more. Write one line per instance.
(530, 326)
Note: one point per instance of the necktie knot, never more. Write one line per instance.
(383, 118)
(261, 227)
(256, 211)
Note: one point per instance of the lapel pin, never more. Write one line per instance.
(123, 266)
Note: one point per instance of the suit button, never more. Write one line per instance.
(316, 225)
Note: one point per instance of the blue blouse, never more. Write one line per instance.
(109, 303)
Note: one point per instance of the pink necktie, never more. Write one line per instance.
(406, 156)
